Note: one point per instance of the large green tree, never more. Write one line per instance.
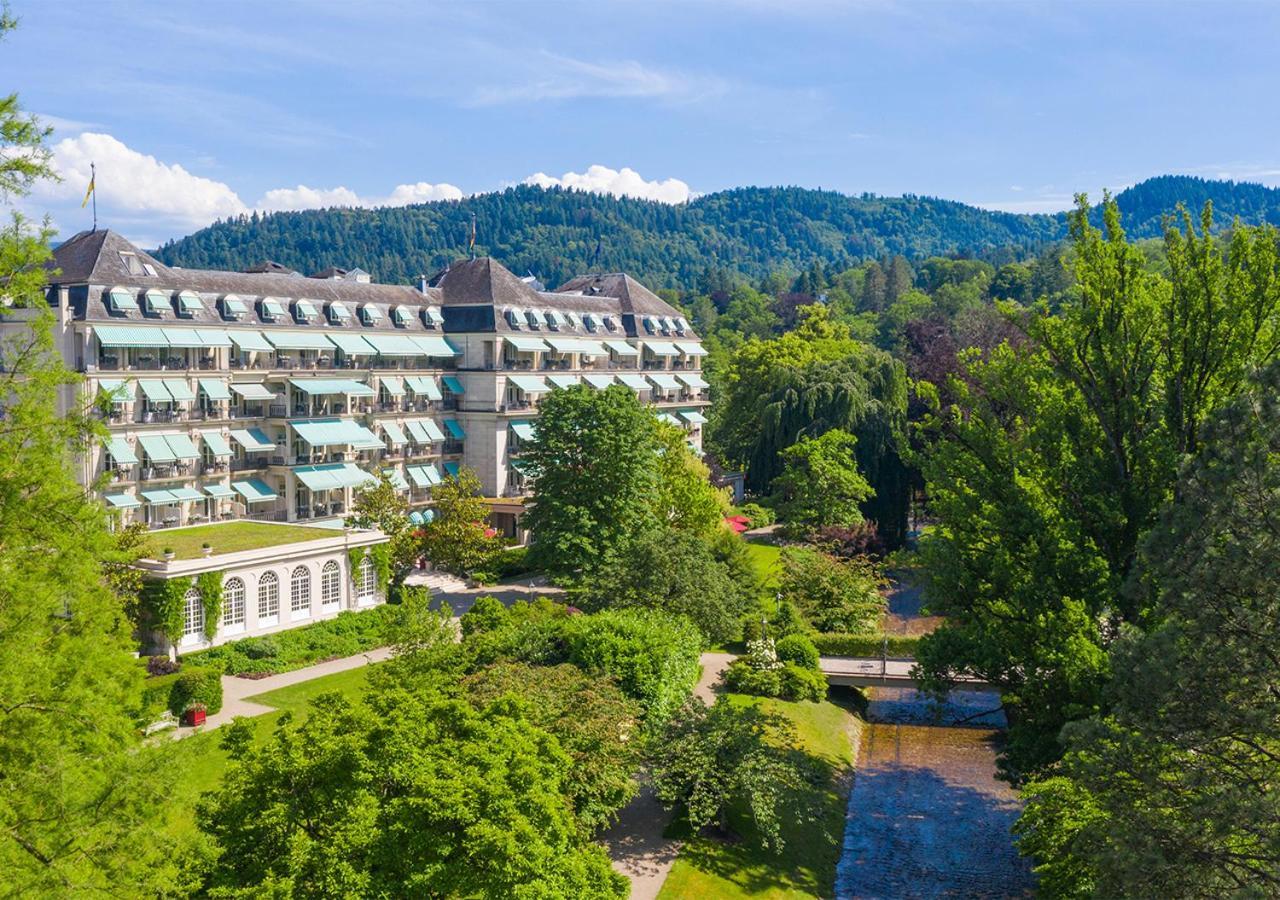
(457, 539)
(820, 484)
(594, 479)
(405, 797)
(1175, 792)
(805, 383)
(77, 792)
(1061, 448)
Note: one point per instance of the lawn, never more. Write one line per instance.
(710, 867)
(765, 557)
(200, 760)
(231, 537)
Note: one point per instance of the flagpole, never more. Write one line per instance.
(93, 180)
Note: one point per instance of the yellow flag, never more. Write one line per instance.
(89, 192)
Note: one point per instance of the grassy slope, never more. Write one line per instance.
(201, 761)
(709, 867)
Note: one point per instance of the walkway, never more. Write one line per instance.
(635, 842)
(870, 671)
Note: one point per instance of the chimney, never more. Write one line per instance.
(422, 284)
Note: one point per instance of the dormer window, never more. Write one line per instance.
(304, 311)
(121, 299)
(610, 324)
(513, 317)
(233, 307)
(272, 308)
(434, 317)
(133, 265)
(572, 319)
(403, 315)
(589, 321)
(650, 325)
(533, 317)
(338, 312)
(371, 314)
(157, 301)
(682, 325)
(668, 325)
(555, 319)
(189, 303)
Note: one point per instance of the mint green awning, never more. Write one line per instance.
(452, 384)
(253, 390)
(526, 344)
(424, 476)
(454, 429)
(338, 310)
(273, 307)
(159, 497)
(435, 315)
(664, 381)
(530, 384)
(523, 430)
(336, 432)
(694, 381)
(156, 448)
(179, 389)
(661, 348)
(395, 344)
(182, 446)
(435, 345)
(575, 345)
(233, 304)
(668, 418)
(393, 431)
(563, 381)
(253, 440)
(634, 381)
(218, 490)
(352, 344)
(217, 444)
(305, 308)
(190, 302)
(393, 385)
(250, 340)
(371, 312)
(254, 490)
(424, 431)
(122, 501)
(622, 348)
(298, 340)
(693, 417)
(183, 337)
(332, 476)
(186, 493)
(404, 314)
(121, 450)
(691, 349)
(214, 337)
(130, 336)
(117, 391)
(329, 386)
(424, 386)
(122, 298)
(598, 381)
(396, 479)
(451, 469)
(156, 299)
(215, 389)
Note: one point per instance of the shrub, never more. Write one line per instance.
(848, 542)
(758, 516)
(787, 620)
(512, 562)
(832, 594)
(195, 685)
(162, 665)
(652, 655)
(347, 634)
(533, 632)
(798, 649)
(486, 614)
(789, 682)
(155, 697)
(866, 644)
(796, 683)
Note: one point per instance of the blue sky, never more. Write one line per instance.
(194, 111)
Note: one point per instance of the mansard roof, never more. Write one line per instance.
(635, 298)
(486, 281)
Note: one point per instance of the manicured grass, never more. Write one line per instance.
(765, 556)
(231, 537)
(201, 762)
(711, 867)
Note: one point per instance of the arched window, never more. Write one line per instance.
(233, 602)
(330, 584)
(300, 591)
(366, 581)
(268, 596)
(192, 614)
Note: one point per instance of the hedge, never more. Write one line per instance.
(788, 682)
(834, 644)
(194, 684)
(347, 634)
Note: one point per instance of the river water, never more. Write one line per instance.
(926, 815)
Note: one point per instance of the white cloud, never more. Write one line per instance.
(136, 182)
(625, 183)
(556, 77)
(303, 197)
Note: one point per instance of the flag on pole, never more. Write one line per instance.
(89, 193)
(471, 243)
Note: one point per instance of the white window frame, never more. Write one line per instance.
(234, 594)
(300, 593)
(366, 582)
(330, 585)
(268, 598)
(192, 617)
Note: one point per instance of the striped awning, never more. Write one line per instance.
(576, 345)
(250, 340)
(185, 493)
(394, 433)
(635, 381)
(155, 390)
(598, 381)
(216, 443)
(156, 448)
(122, 501)
(693, 417)
(694, 381)
(530, 384)
(253, 390)
(336, 432)
(329, 386)
(395, 345)
(352, 344)
(273, 307)
(305, 308)
(121, 450)
(179, 389)
(668, 418)
(122, 298)
(424, 431)
(130, 336)
(298, 340)
(622, 348)
(190, 302)
(332, 476)
(159, 497)
(664, 381)
(338, 310)
(393, 385)
(424, 476)
(396, 479)
(215, 389)
(563, 381)
(435, 345)
(526, 344)
(218, 490)
(183, 337)
(661, 348)
(691, 349)
(233, 304)
(523, 430)
(156, 299)
(117, 391)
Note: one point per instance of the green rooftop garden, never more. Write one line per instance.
(231, 537)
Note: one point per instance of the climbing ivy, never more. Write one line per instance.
(210, 586)
(381, 556)
(163, 603)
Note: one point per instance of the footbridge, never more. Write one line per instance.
(870, 671)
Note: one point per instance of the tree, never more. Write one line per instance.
(407, 796)
(594, 480)
(832, 594)
(381, 505)
(686, 498)
(595, 723)
(457, 539)
(1174, 792)
(805, 383)
(1059, 453)
(77, 791)
(712, 758)
(820, 485)
(676, 572)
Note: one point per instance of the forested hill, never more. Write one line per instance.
(557, 233)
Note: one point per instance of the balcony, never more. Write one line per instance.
(453, 447)
(163, 472)
(247, 463)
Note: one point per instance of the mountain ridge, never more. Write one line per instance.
(556, 233)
